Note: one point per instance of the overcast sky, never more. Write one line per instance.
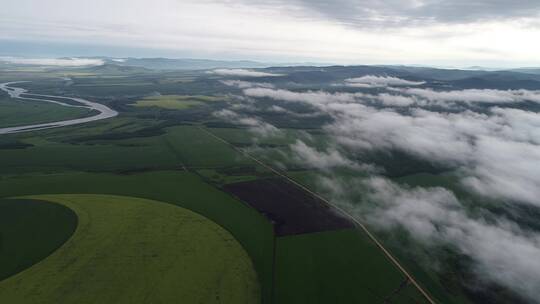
(437, 32)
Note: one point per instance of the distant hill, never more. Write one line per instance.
(527, 70)
(116, 69)
(522, 78)
(107, 69)
(183, 64)
(434, 77)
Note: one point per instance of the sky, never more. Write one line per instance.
(493, 33)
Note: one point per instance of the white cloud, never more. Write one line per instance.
(312, 97)
(329, 159)
(503, 252)
(63, 62)
(242, 30)
(498, 151)
(277, 109)
(242, 73)
(395, 100)
(241, 84)
(255, 125)
(505, 169)
(474, 95)
(371, 81)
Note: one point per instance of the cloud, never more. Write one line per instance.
(277, 30)
(376, 13)
(497, 151)
(425, 134)
(506, 169)
(325, 160)
(242, 73)
(371, 81)
(334, 101)
(241, 84)
(495, 154)
(277, 109)
(255, 125)
(62, 62)
(395, 100)
(474, 95)
(503, 252)
(312, 97)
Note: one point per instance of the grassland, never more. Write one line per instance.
(162, 154)
(175, 102)
(242, 137)
(197, 148)
(326, 258)
(216, 177)
(179, 146)
(30, 231)
(179, 188)
(14, 112)
(129, 250)
(81, 160)
(173, 167)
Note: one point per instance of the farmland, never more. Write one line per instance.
(175, 102)
(145, 154)
(128, 250)
(169, 159)
(30, 231)
(16, 112)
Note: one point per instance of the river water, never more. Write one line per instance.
(14, 92)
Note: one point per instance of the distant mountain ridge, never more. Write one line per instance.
(183, 64)
(161, 63)
(434, 77)
(474, 77)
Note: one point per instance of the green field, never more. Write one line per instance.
(180, 146)
(179, 188)
(176, 167)
(30, 231)
(130, 250)
(215, 177)
(159, 149)
(437, 287)
(164, 167)
(17, 112)
(326, 259)
(175, 102)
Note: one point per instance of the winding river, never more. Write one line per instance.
(14, 92)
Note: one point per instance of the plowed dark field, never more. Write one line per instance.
(291, 209)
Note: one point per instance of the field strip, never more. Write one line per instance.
(338, 209)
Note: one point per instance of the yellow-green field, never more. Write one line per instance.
(77, 74)
(132, 250)
(175, 102)
(177, 80)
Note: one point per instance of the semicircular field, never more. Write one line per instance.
(30, 231)
(131, 250)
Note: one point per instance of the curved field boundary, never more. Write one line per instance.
(132, 250)
(22, 244)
